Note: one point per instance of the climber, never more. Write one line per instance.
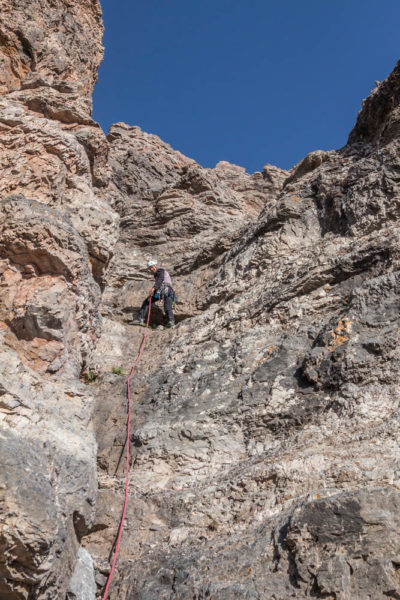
(162, 288)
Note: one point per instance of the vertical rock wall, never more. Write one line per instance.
(57, 236)
(265, 444)
(266, 424)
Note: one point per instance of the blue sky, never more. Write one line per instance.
(247, 81)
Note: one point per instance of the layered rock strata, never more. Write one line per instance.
(265, 445)
(266, 433)
(171, 206)
(57, 236)
(51, 149)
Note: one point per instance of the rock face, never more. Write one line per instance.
(57, 236)
(172, 208)
(48, 485)
(266, 425)
(51, 149)
(265, 431)
(50, 52)
(49, 300)
(82, 585)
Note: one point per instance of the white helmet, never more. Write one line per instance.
(152, 263)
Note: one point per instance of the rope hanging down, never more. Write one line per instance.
(128, 430)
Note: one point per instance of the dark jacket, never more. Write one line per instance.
(160, 276)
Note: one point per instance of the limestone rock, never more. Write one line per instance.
(51, 46)
(364, 522)
(57, 231)
(265, 460)
(264, 445)
(378, 121)
(174, 210)
(51, 149)
(82, 585)
(308, 164)
(49, 300)
(59, 167)
(49, 486)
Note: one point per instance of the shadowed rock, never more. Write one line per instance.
(264, 445)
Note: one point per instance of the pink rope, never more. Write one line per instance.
(128, 428)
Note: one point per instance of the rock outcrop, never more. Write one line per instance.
(171, 207)
(58, 231)
(51, 149)
(265, 433)
(266, 424)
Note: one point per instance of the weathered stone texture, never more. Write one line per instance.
(57, 231)
(51, 149)
(82, 585)
(174, 210)
(49, 299)
(49, 486)
(265, 455)
(53, 48)
(266, 429)
(59, 167)
(379, 120)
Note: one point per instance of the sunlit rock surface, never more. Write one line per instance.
(265, 455)
(266, 424)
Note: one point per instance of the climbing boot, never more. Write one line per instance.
(170, 324)
(138, 321)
